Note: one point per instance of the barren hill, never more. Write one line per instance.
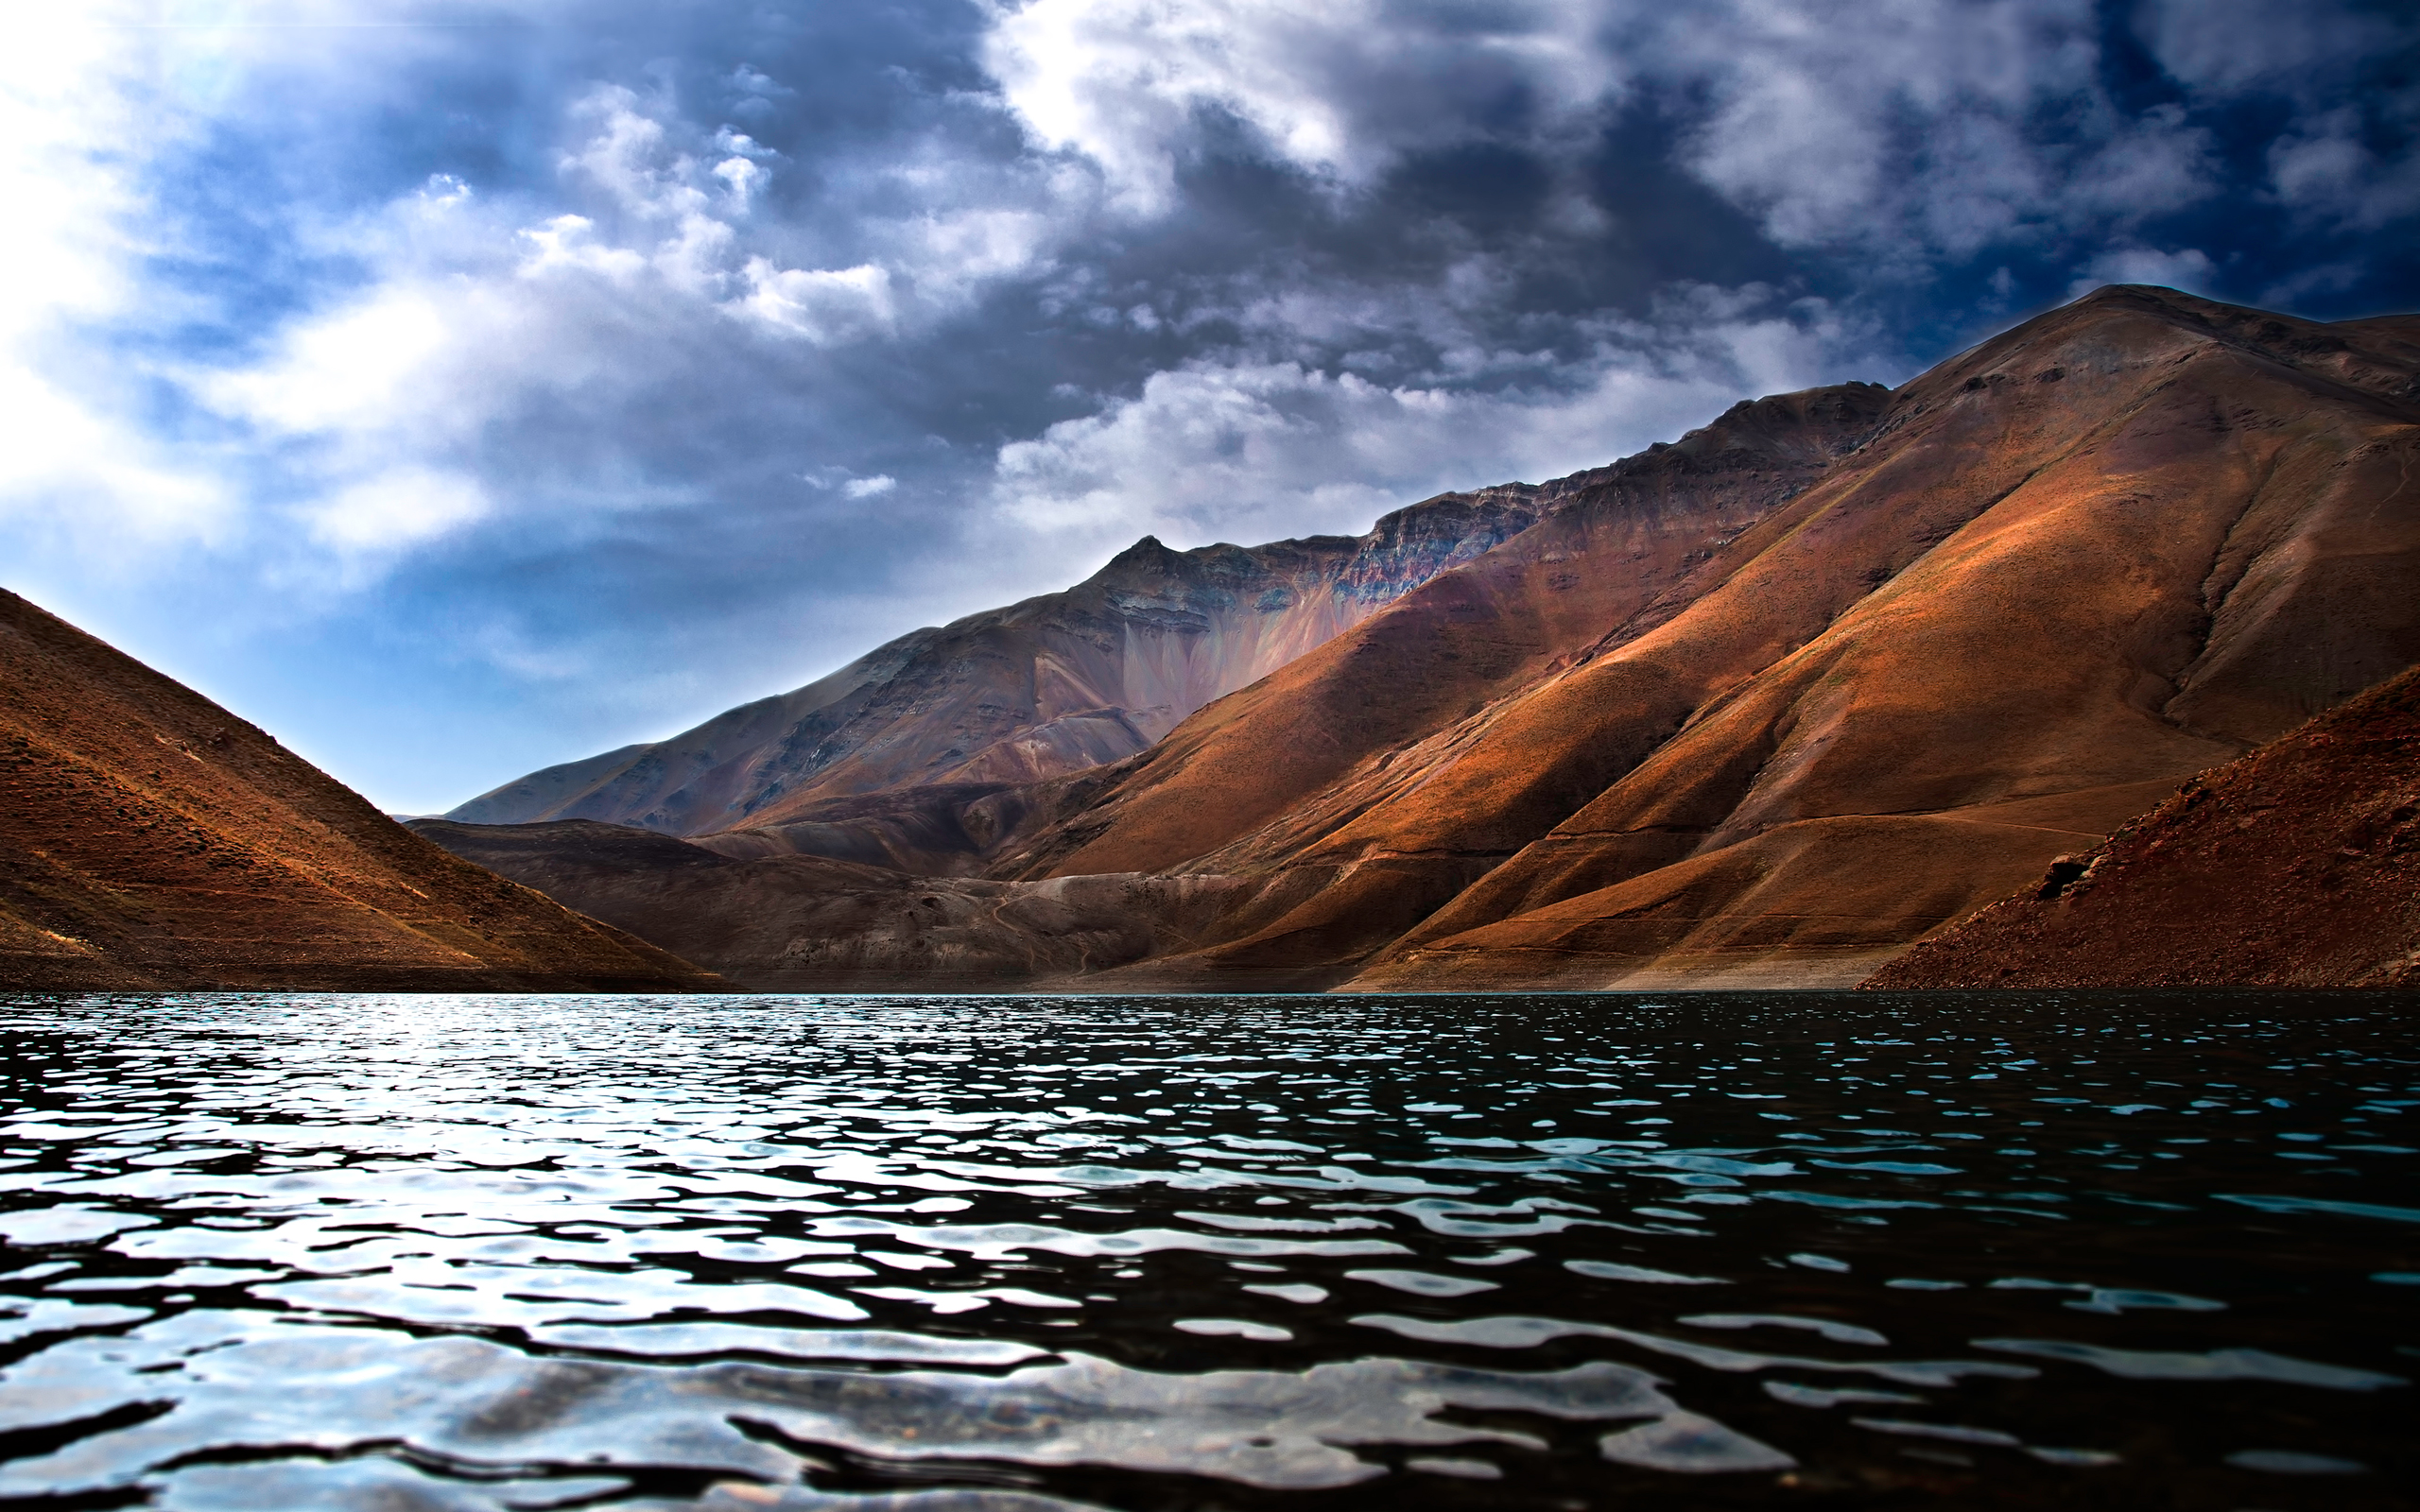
(148, 839)
(2295, 865)
(2120, 543)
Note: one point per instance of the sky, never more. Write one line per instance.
(453, 388)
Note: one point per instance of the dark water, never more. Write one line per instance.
(298, 1252)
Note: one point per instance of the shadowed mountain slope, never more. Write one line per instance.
(793, 923)
(148, 839)
(1054, 684)
(2295, 865)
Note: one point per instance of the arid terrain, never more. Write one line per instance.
(2295, 865)
(150, 839)
(1764, 706)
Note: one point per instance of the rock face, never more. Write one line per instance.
(148, 839)
(1054, 684)
(2295, 865)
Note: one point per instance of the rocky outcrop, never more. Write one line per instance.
(150, 839)
(2295, 865)
(1052, 685)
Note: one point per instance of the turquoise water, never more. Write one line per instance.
(1694, 1250)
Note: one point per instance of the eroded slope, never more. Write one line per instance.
(2295, 865)
(2115, 546)
(148, 839)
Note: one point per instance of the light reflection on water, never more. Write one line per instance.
(344, 1252)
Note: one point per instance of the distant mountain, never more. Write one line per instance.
(1762, 707)
(2295, 865)
(148, 839)
(1054, 684)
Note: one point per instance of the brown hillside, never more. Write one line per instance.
(2112, 547)
(148, 839)
(1763, 707)
(2295, 865)
(1620, 550)
(2126, 541)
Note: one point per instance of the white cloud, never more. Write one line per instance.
(1841, 122)
(1340, 89)
(2325, 171)
(70, 467)
(824, 306)
(868, 488)
(395, 509)
(1245, 451)
(1912, 128)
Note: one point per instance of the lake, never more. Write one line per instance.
(944, 1254)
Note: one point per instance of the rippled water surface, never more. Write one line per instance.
(1699, 1250)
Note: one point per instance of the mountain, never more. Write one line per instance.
(2123, 543)
(1050, 685)
(2295, 865)
(150, 839)
(1762, 707)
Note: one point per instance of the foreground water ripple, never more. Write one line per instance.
(937, 1254)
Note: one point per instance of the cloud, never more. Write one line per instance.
(2325, 171)
(1907, 127)
(1339, 91)
(73, 467)
(824, 306)
(395, 509)
(1247, 451)
(2230, 46)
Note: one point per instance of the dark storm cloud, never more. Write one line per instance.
(492, 383)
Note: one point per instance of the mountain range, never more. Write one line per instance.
(1763, 706)
(2086, 658)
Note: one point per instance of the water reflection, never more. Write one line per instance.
(536, 1252)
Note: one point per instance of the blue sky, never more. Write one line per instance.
(455, 389)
